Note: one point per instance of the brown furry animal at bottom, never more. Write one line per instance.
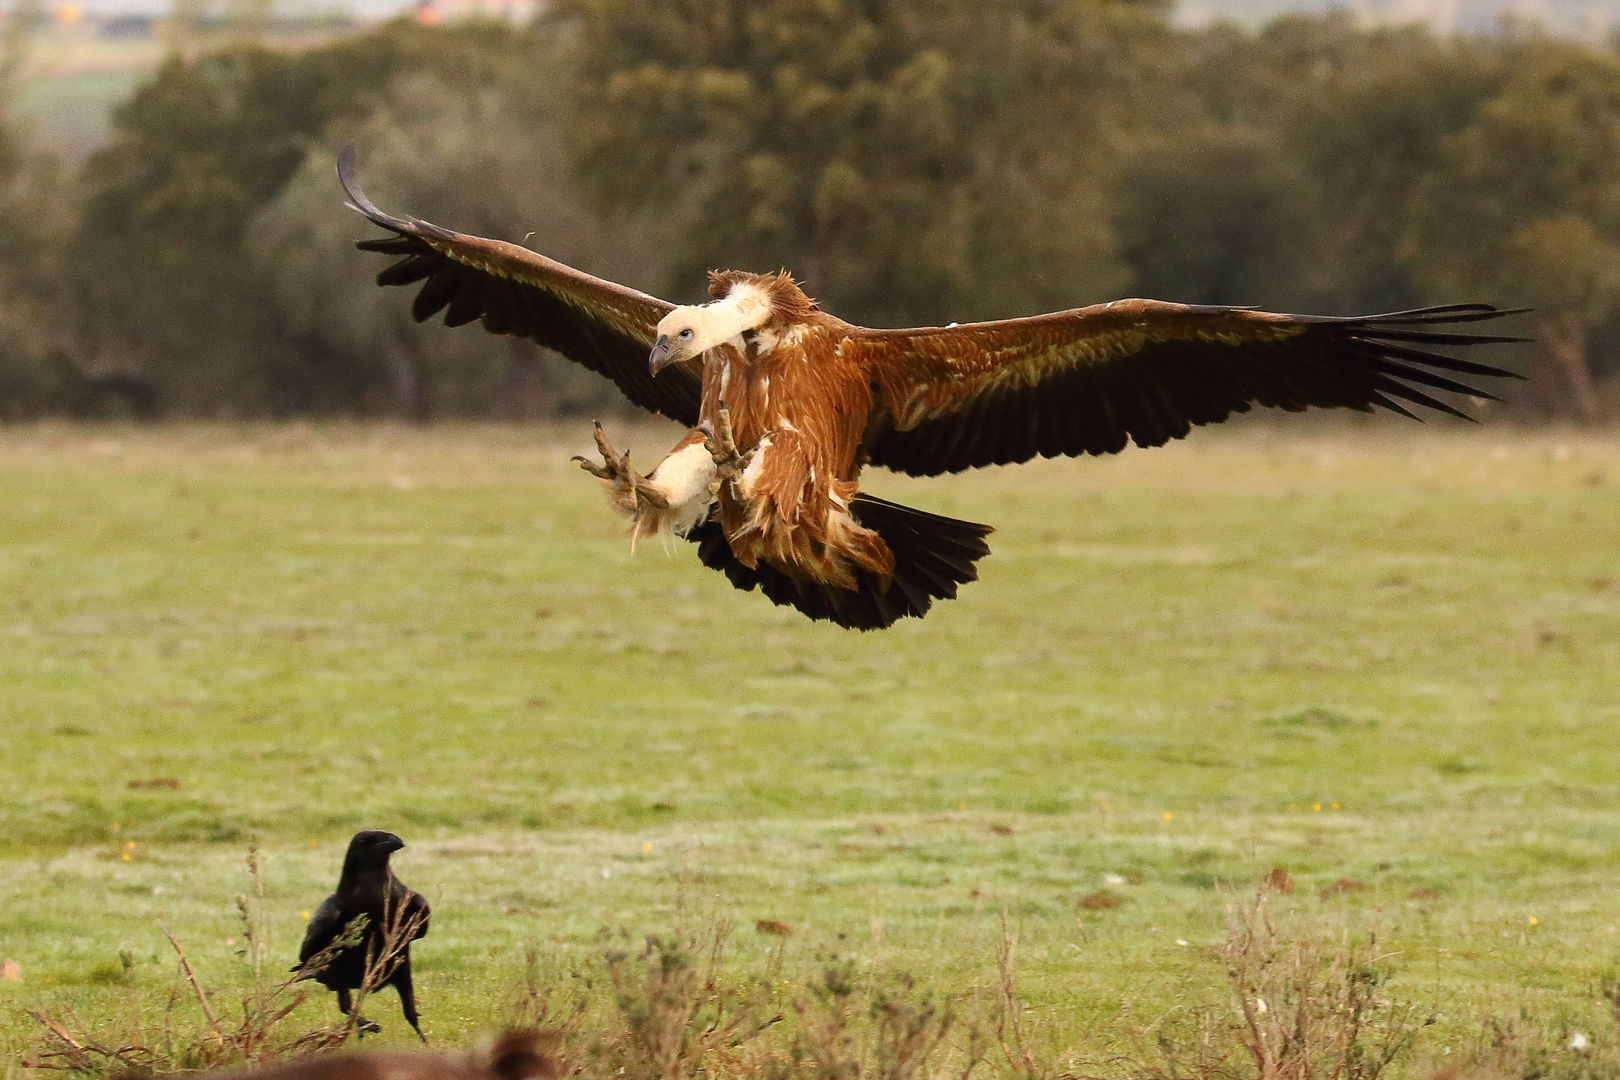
(515, 1055)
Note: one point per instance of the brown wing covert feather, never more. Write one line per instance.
(1091, 380)
(602, 325)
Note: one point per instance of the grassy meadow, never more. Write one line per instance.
(1379, 654)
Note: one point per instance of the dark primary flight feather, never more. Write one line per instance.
(604, 326)
(1090, 380)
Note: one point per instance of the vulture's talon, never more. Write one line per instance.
(647, 493)
(729, 463)
(614, 464)
(632, 492)
(614, 460)
(591, 467)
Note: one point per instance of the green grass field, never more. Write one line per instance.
(1381, 653)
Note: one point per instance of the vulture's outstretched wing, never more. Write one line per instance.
(1085, 381)
(604, 326)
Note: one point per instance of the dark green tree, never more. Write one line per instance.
(912, 160)
(1284, 164)
(490, 163)
(165, 288)
(36, 375)
(1524, 206)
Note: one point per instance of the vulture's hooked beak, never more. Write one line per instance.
(660, 356)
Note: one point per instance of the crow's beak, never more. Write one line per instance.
(659, 359)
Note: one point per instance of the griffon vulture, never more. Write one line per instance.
(787, 403)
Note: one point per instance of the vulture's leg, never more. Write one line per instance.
(632, 492)
(673, 498)
(728, 462)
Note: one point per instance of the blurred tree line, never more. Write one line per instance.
(915, 161)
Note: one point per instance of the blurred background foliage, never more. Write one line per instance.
(914, 161)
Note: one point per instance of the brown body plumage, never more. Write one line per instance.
(788, 403)
(800, 407)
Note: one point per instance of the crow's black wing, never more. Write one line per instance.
(324, 927)
(416, 908)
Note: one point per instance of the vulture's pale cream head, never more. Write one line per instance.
(693, 330)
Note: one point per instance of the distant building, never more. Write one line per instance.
(438, 12)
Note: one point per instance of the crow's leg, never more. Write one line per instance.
(407, 996)
(362, 1026)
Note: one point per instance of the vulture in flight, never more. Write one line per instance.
(786, 403)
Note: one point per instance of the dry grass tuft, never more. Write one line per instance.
(1300, 1004)
(253, 1037)
(1313, 1009)
(675, 1015)
(1304, 1006)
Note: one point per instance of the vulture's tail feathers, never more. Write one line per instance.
(932, 556)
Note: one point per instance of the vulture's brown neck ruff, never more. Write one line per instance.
(813, 400)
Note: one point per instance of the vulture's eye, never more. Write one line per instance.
(686, 333)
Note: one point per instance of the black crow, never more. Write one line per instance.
(368, 887)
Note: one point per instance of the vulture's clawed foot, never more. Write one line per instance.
(729, 463)
(364, 1027)
(614, 464)
(632, 492)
